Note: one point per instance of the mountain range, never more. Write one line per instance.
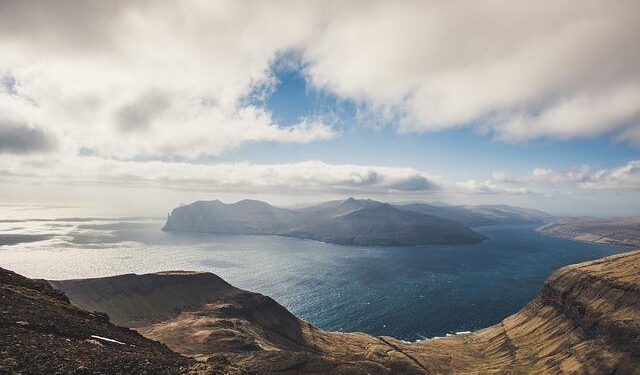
(479, 215)
(350, 221)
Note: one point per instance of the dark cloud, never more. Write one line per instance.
(415, 183)
(20, 138)
(140, 114)
(63, 24)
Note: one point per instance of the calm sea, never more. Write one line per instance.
(407, 292)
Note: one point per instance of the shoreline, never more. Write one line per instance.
(615, 243)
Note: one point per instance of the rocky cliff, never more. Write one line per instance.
(586, 320)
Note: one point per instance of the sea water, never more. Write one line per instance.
(407, 292)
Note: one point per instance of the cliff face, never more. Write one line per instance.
(586, 320)
(243, 217)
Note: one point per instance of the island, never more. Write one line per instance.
(345, 222)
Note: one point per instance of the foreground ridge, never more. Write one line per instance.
(585, 320)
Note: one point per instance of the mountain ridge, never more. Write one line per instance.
(378, 224)
(480, 215)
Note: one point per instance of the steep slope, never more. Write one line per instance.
(147, 302)
(586, 320)
(382, 224)
(139, 300)
(623, 231)
(42, 333)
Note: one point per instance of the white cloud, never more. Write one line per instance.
(146, 77)
(560, 69)
(540, 174)
(151, 79)
(623, 177)
(91, 72)
(310, 176)
(489, 187)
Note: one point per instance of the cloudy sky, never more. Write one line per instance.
(147, 104)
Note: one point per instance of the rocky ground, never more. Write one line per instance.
(42, 333)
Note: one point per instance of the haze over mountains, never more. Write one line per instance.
(350, 221)
(478, 215)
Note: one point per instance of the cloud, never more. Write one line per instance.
(174, 77)
(139, 114)
(101, 86)
(472, 186)
(147, 78)
(556, 69)
(582, 115)
(310, 176)
(585, 177)
(20, 138)
(625, 177)
(576, 174)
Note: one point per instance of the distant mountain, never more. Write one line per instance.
(381, 224)
(243, 217)
(624, 231)
(347, 222)
(340, 207)
(478, 215)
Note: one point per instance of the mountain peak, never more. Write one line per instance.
(251, 203)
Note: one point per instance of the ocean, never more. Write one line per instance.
(410, 293)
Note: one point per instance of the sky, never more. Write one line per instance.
(138, 106)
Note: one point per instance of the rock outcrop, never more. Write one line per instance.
(585, 320)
